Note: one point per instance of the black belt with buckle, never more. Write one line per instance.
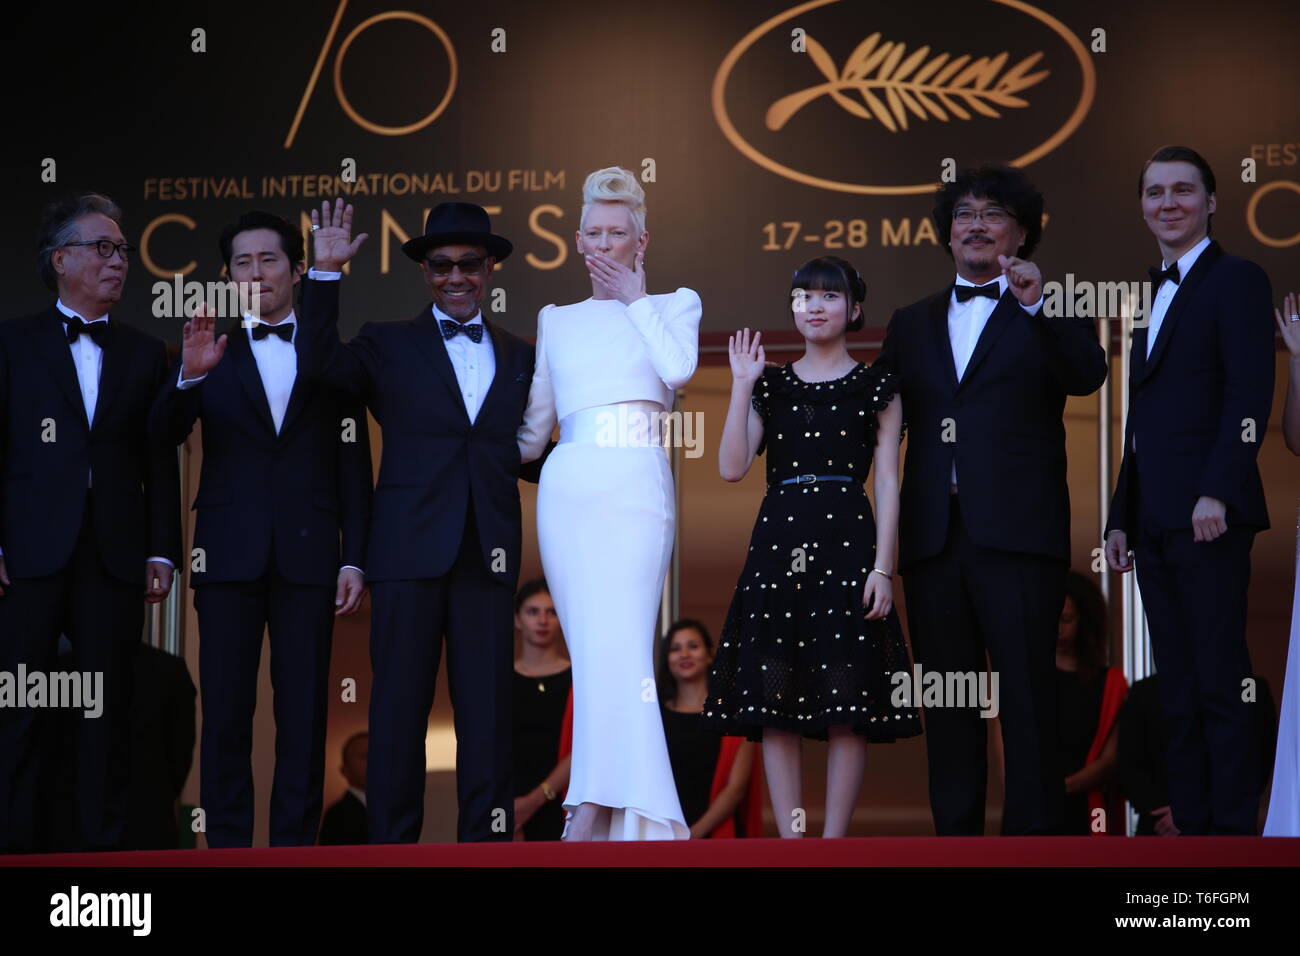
(813, 479)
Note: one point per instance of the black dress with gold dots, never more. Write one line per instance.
(797, 652)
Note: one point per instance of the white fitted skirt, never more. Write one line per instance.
(605, 518)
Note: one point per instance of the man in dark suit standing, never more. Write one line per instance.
(984, 531)
(449, 391)
(286, 474)
(89, 515)
(1188, 500)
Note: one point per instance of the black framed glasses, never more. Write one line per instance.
(441, 266)
(106, 247)
(992, 216)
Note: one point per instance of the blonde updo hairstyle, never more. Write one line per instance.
(614, 184)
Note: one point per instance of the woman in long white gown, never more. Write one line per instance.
(606, 369)
(1284, 802)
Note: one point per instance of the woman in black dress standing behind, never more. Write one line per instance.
(714, 775)
(542, 682)
(812, 639)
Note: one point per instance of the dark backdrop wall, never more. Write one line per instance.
(755, 155)
(746, 137)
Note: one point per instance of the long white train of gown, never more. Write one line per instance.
(605, 518)
(1284, 802)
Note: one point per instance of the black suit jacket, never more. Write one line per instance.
(345, 823)
(1006, 419)
(261, 493)
(1210, 371)
(435, 462)
(48, 450)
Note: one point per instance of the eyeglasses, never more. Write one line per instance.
(992, 216)
(106, 247)
(441, 266)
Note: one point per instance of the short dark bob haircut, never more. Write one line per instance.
(833, 274)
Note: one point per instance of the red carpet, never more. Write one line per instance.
(873, 851)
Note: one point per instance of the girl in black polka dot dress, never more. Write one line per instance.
(811, 639)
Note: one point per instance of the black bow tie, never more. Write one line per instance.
(967, 292)
(98, 331)
(284, 330)
(451, 329)
(1158, 276)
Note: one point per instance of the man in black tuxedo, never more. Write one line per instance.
(984, 528)
(286, 474)
(89, 515)
(449, 391)
(1188, 500)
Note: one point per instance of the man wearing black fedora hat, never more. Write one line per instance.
(449, 391)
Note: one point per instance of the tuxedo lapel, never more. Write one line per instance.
(111, 373)
(1186, 292)
(297, 395)
(52, 346)
(998, 321)
(938, 322)
(428, 339)
(241, 355)
(1137, 354)
(502, 356)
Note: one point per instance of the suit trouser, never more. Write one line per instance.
(103, 618)
(233, 618)
(1195, 599)
(475, 611)
(960, 603)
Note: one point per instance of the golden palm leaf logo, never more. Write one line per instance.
(938, 87)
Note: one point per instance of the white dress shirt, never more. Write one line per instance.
(88, 358)
(475, 363)
(1165, 294)
(966, 321)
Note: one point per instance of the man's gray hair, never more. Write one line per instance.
(59, 227)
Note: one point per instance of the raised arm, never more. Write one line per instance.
(539, 416)
(179, 401)
(742, 434)
(350, 369)
(671, 333)
(1073, 352)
